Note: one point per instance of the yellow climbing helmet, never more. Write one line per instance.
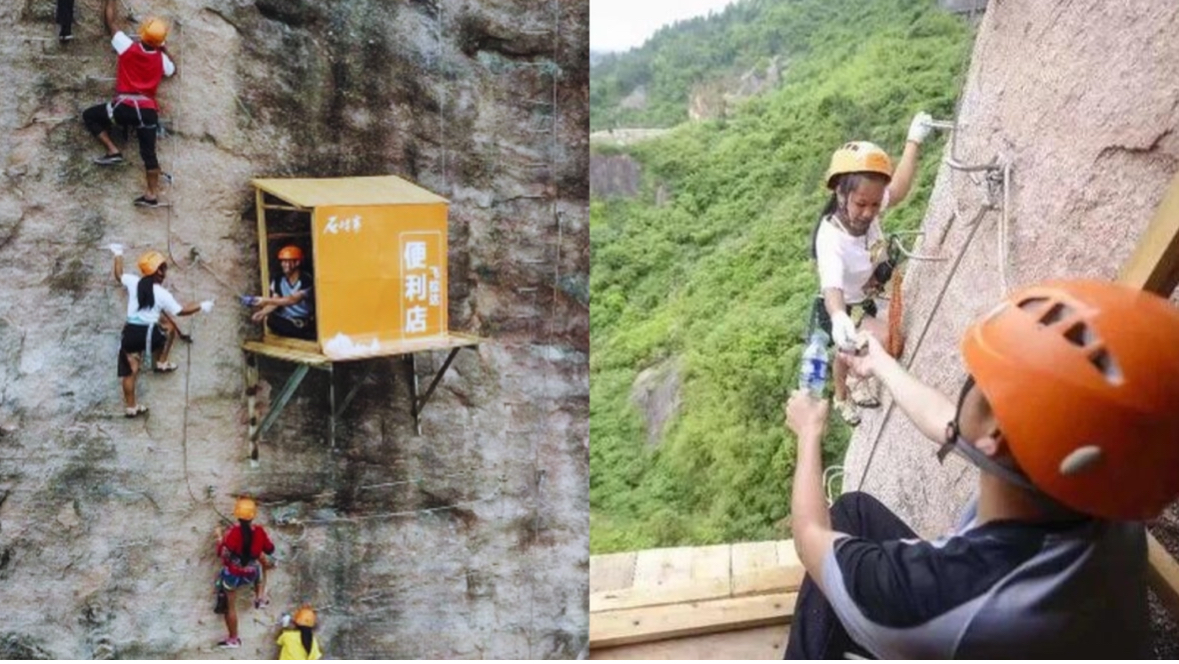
(305, 616)
(858, 157)
(150, 262)
(153, 32)
(245, 509)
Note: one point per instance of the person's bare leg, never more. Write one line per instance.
(105, 138)
(129, 381)
(260, 587)
(840, 378)
(231, 614)
(153, 184)
(169, 339)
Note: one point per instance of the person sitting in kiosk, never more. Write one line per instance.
(290, 309)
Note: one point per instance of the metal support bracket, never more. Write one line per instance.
(285, 396)
(336, 406)
(420, 403)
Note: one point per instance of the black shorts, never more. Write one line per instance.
(868, 306)
(298, 328)
(135, 341)
(143, 122)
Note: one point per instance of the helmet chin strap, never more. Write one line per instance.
(954, 442)
(1008, 474)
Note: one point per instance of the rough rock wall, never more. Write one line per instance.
(467, 541)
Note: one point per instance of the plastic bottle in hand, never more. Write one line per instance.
(815, 364)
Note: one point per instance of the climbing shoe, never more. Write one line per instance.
(144, 201)
(261, 602)
(230, 643)
(115, 159)
(848, 411)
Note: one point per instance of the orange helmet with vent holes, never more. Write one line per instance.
(1083, 378)
(858, 157)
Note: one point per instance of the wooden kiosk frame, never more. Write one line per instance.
(390, 207)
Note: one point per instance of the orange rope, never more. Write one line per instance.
(896, 344)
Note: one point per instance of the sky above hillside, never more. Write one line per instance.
(617, 25)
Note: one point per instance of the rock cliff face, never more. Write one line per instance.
(467, 541)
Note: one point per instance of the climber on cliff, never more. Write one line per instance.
(1069, 410)
(297, 641)
(149, 329)
(863, 185)
(290, 309)
(141, 66)
(244, 551)
(64, 17)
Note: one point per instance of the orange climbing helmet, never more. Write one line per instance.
(153, 32)
(858, 157)
(305, 616)
(245, 509)
(1083, 378)
(150, 262)
(290, 253)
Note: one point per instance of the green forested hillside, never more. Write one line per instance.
(718, 280)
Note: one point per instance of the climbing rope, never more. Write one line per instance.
(393, 515)
(896, 343)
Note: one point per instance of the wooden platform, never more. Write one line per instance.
(693, 602)
(308, 352)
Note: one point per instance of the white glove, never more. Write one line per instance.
(116, 248)
(286, 620)
(919, 129)
(843, 331)
(207, 306)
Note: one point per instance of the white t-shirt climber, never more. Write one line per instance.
(164, 302)
(845, 261)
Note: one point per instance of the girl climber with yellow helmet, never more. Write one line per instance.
(297, 640)
(863, 184)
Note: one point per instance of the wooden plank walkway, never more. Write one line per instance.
(709, 601)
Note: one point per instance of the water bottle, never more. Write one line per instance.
(813, 376)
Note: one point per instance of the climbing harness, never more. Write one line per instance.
(889, 269)
(132, 100)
